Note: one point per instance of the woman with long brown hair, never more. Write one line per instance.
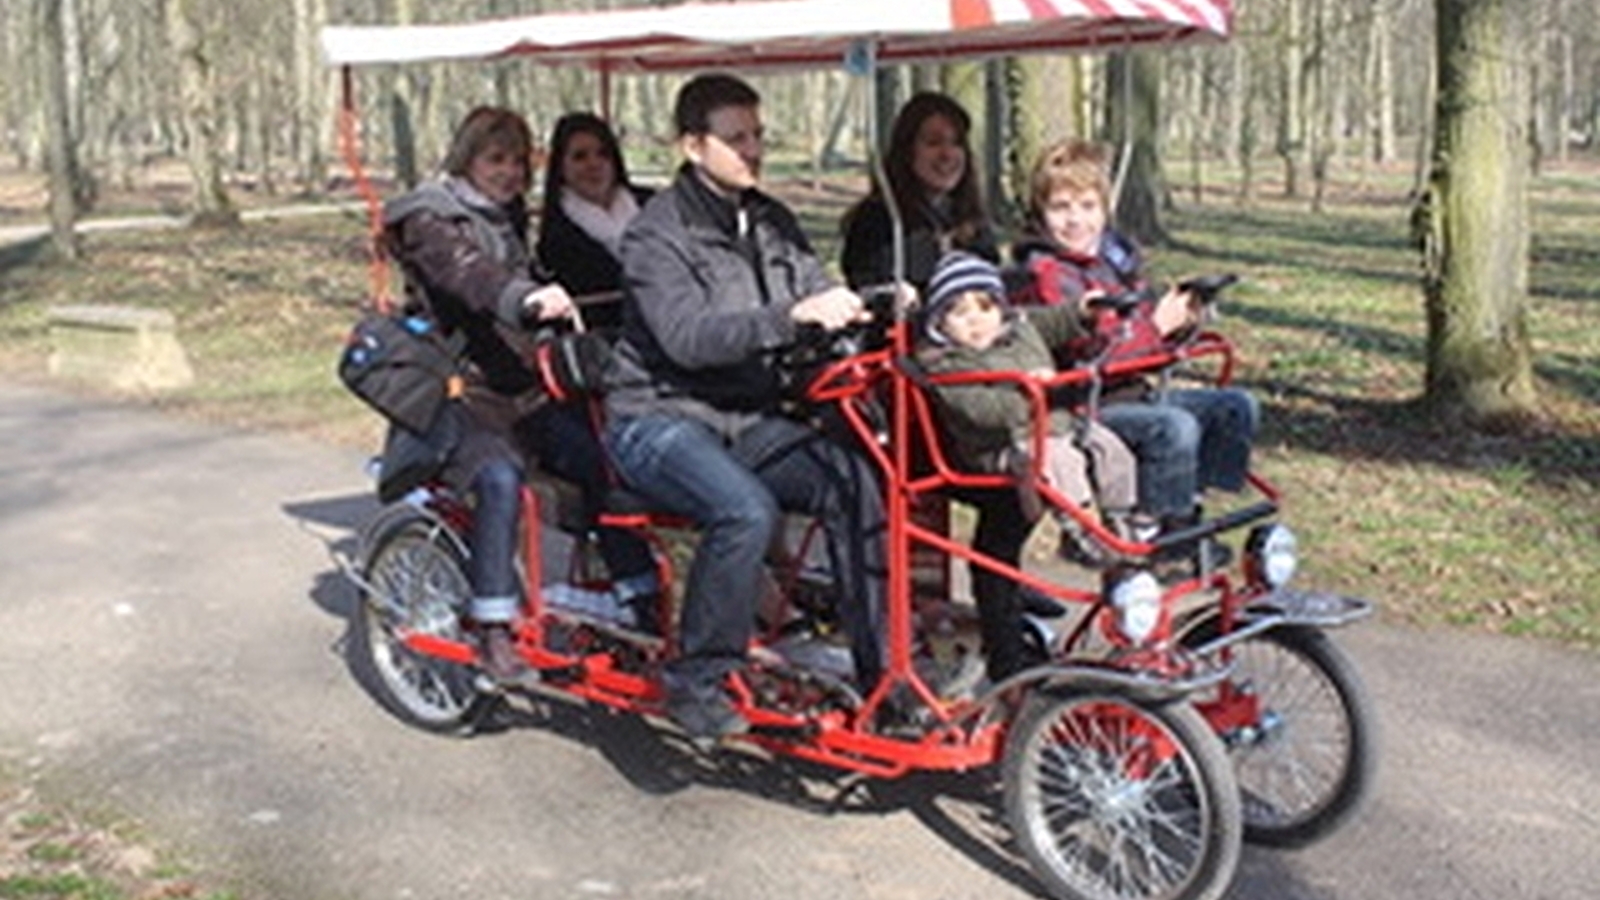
(935, 187)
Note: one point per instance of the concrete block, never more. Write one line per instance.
(128, 348)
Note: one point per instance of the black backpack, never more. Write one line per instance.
(402, 367)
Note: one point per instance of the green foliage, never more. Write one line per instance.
(66, 886)
(49, 852)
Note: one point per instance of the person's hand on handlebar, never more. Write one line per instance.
(549, 302)
(906, 297)
(832, 309)
(1177, 310)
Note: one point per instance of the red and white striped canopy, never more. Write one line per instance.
(790, 33)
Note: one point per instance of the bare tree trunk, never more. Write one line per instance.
(1382, 83)
(256, 119)
(844, 108)
(85, 191)
(310, 96)
(1566, 100)
(212, 206)
(1291, 119)
(1243, 116)
(1194, 102)
(994, 140)
(53, 78)
(815, 101)
(30, 142)
(1045, 100)
(1475, 221)
(1133, 86)
(964, 82)
(888, 98)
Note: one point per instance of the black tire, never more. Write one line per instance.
(418, 581)
(1110, 798)
(1308, 764)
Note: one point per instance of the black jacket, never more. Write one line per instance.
(580, 263)
(709, 283)
(867, 257)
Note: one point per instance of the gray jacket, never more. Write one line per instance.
(709, 285)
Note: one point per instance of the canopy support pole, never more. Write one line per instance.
(350, 146)
(605, 93)
(868, 69)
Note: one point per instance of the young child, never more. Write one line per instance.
(1185, 440)
(967, 326)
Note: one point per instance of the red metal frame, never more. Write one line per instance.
(958, 736)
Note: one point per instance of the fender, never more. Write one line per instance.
(388, 520)
(1285, 606)
(1146, 687)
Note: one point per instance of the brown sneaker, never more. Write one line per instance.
(498, 656)
(1081, 548)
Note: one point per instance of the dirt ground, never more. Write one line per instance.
(50, 851)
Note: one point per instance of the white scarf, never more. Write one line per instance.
(604, 225)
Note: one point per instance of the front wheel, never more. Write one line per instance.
(418, 585)
(1115, 799)
(1305, 754)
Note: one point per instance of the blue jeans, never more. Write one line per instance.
(1185, 442)
(496, 495)
(566, 447)
(563, 441)
(734, 493)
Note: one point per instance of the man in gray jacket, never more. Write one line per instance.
(719, 275)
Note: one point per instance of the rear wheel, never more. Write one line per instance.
(1115, 799)
(418, 586)
(1307, 761)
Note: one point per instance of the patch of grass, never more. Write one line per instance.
(50, 850)
(1438, 526)
(47, 886)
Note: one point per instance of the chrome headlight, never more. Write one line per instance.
(1272, 554)
(1137, 601)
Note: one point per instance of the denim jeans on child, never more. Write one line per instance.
(1186, 441)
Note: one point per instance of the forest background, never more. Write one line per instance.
(1299, 154)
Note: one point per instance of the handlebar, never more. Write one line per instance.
(1123, 303)
(1207, 288)
(814, 344)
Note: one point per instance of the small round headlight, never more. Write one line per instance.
(1273, 554)
(1137, 600)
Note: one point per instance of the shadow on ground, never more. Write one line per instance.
(335, 522)
(963, 809)
(15, 255)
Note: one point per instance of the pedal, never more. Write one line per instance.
(562, 674)
(793, 733)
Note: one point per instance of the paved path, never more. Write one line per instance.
(170, 630)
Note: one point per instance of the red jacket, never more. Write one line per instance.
(1056, 276)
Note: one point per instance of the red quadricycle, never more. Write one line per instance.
(1173, 711)
(1174, 707)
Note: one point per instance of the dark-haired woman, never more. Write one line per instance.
(588, 201)
(935, 187)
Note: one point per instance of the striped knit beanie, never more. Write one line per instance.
(956, 274)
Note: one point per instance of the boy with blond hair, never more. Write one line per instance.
(1185, 440)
